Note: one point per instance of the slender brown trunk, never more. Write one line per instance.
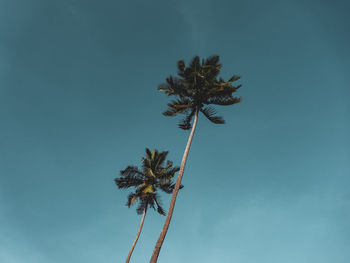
(173, 198)
(137, 236)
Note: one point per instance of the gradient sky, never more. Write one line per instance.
(78, 103)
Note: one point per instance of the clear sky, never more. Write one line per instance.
(78, 103)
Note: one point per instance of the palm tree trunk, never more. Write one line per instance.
(137, 236)
(173, 198)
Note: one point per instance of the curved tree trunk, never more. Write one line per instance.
(137, 236)
(173, 198)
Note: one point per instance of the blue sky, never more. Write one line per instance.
(78, 103)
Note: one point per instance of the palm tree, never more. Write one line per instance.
(196, 87)
(154, 175)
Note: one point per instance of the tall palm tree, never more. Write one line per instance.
(196, 87)
(154, 175)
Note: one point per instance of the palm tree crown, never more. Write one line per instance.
(197, 87)
(153, 175)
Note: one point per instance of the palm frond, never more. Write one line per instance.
(169, 164)
(142, 206)
(160, 160)
(130, 177)
(181, 66)
(185, 123)
(148, 154)
(173, 86)
(180, 105)
(212, 60)
(195, 63)
(234, 78)
(130, 181)
(169, 173)
(131, 171)
(160, 209)
(132, 198)
(211, 68)
(168, 187)
(209, 112)
(224, 101)
(173, 112)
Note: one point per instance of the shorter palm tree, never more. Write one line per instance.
(155, 174)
